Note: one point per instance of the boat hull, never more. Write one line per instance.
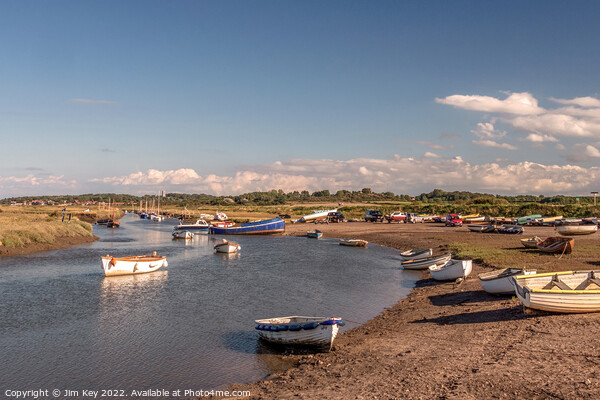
(228, 247)
(353, 242)
(416, 254)
(451, 270)
(300, 331)
(500, 282)
(568, 230)
(557, 245)
(113, 266)
(425, 263)
(267, 227)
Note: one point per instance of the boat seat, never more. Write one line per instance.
(558, 283)
(591, 279)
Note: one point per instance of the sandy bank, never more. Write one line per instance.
(60, 243)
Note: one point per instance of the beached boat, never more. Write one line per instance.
(584, 229)
(317, 214)
(316, 332)
(451, 270)
(566, 292)
(425, 263)
(556, 244)
(227, 247)
(471, 219)
(200, 226)
(531, 243)
(510, 229)
(482, 228)
(500, 281)
(353, 242)
(416, 254)
(132, 265)
(526, 220)
(316, 234)
(178, 234)
(266, 227)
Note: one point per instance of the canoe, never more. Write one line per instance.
(568, 230)
(531, 243)
(316, 234)
(416, 254)
(566, 292)
(200, 226)
(425, 263)
(300, 331)
(227, 247)
(113, 266)
(353, 242)
(451, 270)
(500, 282)
(510, 229)
(178, 234)
(266, 227)
(482, 228)
(557, 244)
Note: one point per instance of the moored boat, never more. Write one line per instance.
(499, 281)
(227, 247)
(200, 226)
(353, 242)
(132, 265)
(583, 229)
(113, 224)
(425, 263)
(556, 244)
(318, 332)
(316, 234)
(266, 227)
(566, 292)
(416, 254)
(178, 234)
(531, 243)
(451, 270)
(482, 228)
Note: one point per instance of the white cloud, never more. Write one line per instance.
(586, 102)
(491, 143)
(591, 151)
(560, 147)
(515, 103)
(431, 155)
(486, 130)
(537, 138)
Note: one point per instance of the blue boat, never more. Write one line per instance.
(266, 227)
(316, 234)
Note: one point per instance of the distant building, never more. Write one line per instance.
(164, 194)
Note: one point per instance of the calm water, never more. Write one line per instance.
(64, 325)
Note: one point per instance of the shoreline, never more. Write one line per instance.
(445, 340)
(61, 242)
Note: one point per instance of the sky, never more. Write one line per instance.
(228, 97)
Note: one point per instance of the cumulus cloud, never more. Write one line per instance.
(591, 151)
(515, 103)
(33, 184)
(586, 102)
(491, 143)
(537, 138)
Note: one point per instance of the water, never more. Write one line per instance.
(190, 326)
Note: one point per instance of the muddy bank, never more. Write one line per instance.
(447, 340)
(60, 243)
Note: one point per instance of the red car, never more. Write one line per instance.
(453, 220)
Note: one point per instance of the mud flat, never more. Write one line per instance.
(60, 243)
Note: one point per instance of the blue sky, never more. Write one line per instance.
(236, 96)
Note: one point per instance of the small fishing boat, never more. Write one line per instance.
(200, 226)
(510, 229)
(178, 234)
(416, 254)
(265, 227)
(556, 244)
(316, 234)
(113, 224)
(316, 332)
(227, 247)
(353, 242)
(566, 292)
(132, 265)
(531, 243)
(451, 270)
(317, 214)
(469, 220)
(425, 263)
(579, 229)
(500, 282)
(482, 228)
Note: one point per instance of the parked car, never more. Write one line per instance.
(453, 220)
(335, 217)
(396, 216)
(413, 218)
(373, 216)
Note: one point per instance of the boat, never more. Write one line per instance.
(425, 263)
(416, 254)
(482, 228)
(316, 234)
(317, 214)
(200, 226)
(113, 266)
(451, 270)
(179, 234)
(469, 219)
(227, 247)
(526, 220)
(510, 229)
(566, 291)
(556, 244)
(318, 332)
(113, 224)
(104, 221)
(500, 282)
(265, 227)
(583, 229)
(219, 216)
(353, 242)
(531, 243)
(221, 224)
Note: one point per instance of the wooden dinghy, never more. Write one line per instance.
(316, 234)
(565, 292)
(227, 247)
(451, 270)
(113, 266)
(500, 281)
(425, 263)
(557, 244)
(416, 254)
(531, 243)
(482, 228)
(316, 332)
(353, 242)
(585, 229)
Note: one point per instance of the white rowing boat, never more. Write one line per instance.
(227, 247)
(451, 270)
(425, 263)
(416, 254)
(353, 242)
(500, 281)
(113, 266)
(300, 331)
(568, 230)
